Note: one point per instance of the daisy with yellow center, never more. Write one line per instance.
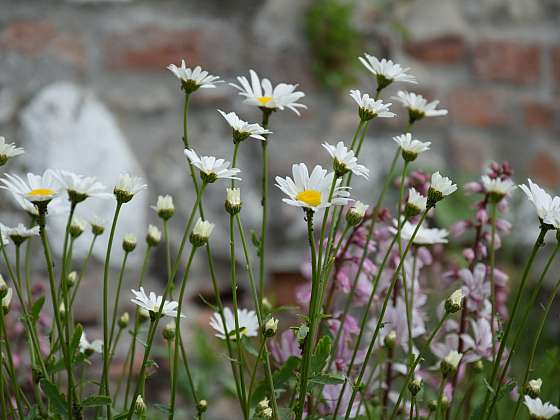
(260, 93)
(312, 191)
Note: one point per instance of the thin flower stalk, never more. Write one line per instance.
(83, 270)
(264, 202)
(117, 296)
(492, 255)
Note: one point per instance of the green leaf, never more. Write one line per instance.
(302, 332)
(121, 416)
(328, 379)
(320, 356)
(75, 341)
(36, 308)
(163, 408)
(249, 348)
(54, 396)
(280, 378)
(96, 400)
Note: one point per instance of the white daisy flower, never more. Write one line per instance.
(534, 387)
(242, 129)
(451, 362)
(440, 187)
(192, 80)
(203, 229)
(164, 207)
(8, 150)
(553, 215)
(386, 71)
(86, 347)
(37, 189)
(154, 233)
(418, 107)
(260, 93)
(497, 188)
(369, 108)
(248, 324)
(127, 187)
(212, 168)
(416, 200)
(424, 236)
(454, 303)
(345, 160)
(312, 191)
(152, 303)
(539, 197)
(233, 200)
(80, 187)
(356, 213)
(411, 148)
(19, 233)
(539, 410)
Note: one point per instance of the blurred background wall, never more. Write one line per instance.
(83, 86)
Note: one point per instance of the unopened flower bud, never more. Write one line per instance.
(266, 305)
(478, 366)
(139, 406)
(533, 388)
(233, 200)
(76, 228)
(356, 214)
(201, 232)
(3, 287)
(432, 405)
(270, 327)
(97, 228)
(124, 320)
(143, 315)
(201, 406)
(164, 207)
(416, 203)
(390, 340)
(62, 310)
(71, 279)
(6, 300)
(153, 238)
(169, 331)
(454, 303)
(415, 386)
(129, 242)
(450, 363)
(263, 408)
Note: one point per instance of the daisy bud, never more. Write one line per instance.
(263, 405)
(416, 203)
(497, 188)
(169, 331)
(415, 386)
(432, 405)
(123, 320)
(8, 150)
(201, 406)
(139, 406)
(164, 207)
(454, 303)
(266, 305)
(127, 186)
(71, 279)
(440, 187)
(533, 388)
(143, 315)
(270, 327)
(233, 200)
(76, 228)
(444, 403)
(62, 310)
(450, 363)
(3, 287)
(356, 214)
(97, 228)
(153, 238)
(390, 340)
(6, 299)
(129, 242)
(201, 232)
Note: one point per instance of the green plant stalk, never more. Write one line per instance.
(538, 243)
(520, 333)
(355, 137)
(178, 332)
(417, 360)
(117, 296)
(310, 339)
(56, 313)
(136, 323)
(258, 308)
(27, 271)
(121, 378)
(188, 370)
(2, 394)
(384, 308)
(440, 397)
(492, 255)
(10, 365)
(264, 202)
(104, 387)
(83, 270)
(324, 226)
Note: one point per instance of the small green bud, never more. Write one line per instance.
(169, 331)
(270, 327)
(143, 315)
(415, 386)
(129, 243)
(124, 320)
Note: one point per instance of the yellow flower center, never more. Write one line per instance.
(310, 197)
(263, 100)
(37, 192)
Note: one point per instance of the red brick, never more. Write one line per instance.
(477, 107)
(538, 115)
(29, 37)
(445, 49)
(151, 49)
(507, 61)
(543, 168)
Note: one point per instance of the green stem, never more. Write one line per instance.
(117, 296)
(264, 204)
(440, 397)
(83, 270)
(10, 364)
(492, 256)
(188, 370)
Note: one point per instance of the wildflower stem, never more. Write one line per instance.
(26, 270)
(83, 270)
(440, 397)
(188, 370)
(355, 137)
(310, 338)
(117, 296)
(538, 243)
(413, 365)
(523, 383)
(105, 377)
(492, 256)
(178, 332)
(264, 203)
(10, 364)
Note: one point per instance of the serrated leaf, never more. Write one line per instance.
(96, 400)
(56, 399)
(328, 379)
(320, 356)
